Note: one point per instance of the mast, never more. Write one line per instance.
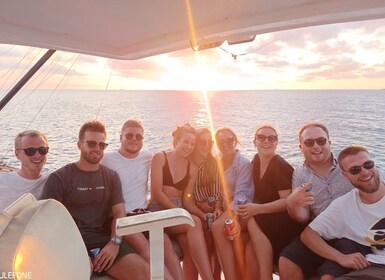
(26, 78)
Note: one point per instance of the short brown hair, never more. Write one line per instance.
(313, 124)
(349, 151)
(29, 133)
(94, 125)
(132, 123)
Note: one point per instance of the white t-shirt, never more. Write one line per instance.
(349, 217)
(12, 186)
(133, 173)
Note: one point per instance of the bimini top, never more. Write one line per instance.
(132, 29)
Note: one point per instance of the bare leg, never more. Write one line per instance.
(224, 247)
(171, 259)
(196, 246)
(289, 270)
(251, 264)
(189, 270)
(262, 250)
(130, 266)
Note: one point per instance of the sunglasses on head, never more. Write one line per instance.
(354, 170)
(321, 141)
(32, 151)
(227, 141)
(270, 138)
(204, 142)
(130, 136)
(92, 144)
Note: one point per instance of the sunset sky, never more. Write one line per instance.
(338, 56)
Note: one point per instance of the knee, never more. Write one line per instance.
(197, 221)
(285, 265)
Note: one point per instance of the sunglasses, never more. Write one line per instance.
(271, 138)
(204, 143)
(130, 136)
(32, 151)
(321, 141)
(92, 144)
(357, 169)
(227, 141)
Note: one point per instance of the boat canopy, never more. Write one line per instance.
(133, 29)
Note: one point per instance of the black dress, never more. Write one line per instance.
(279, 228)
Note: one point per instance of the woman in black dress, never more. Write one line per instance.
(269, 225)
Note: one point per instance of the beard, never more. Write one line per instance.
(92, 158)
(372, 187)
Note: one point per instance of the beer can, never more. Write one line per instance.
(211, 201)
(229, 227)
(242, 200)
(209, 220)
(94, 252)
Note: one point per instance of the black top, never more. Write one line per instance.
(169, 181)
(277, 177)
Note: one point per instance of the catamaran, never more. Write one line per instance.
(130, 30)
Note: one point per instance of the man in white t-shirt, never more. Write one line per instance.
(357, 218)
(31, 148)
(133, 166)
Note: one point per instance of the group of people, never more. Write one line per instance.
(323, 218)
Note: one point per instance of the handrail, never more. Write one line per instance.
(154, 222)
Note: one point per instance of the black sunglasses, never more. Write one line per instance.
(321, 141)
(92, 144)
(271, 138)
(354, 170)
(130, 136)
(32, 151)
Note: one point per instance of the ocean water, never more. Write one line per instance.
(352, 116)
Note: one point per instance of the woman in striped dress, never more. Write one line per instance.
(206, 192)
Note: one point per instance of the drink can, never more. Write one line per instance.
(242, 200)
(308, 189)
(209, 220)
(94, 252)
(210, 201)
(229, 227)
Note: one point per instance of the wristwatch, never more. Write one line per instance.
(117, 240)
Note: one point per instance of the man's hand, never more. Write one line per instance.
(301, 197)
(104, 260)
(355, 261)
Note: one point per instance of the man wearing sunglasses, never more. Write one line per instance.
(358, 217)
(315, 185)
(91, 192)
(133, 166)
(31, 148)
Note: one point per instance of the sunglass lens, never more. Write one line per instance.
(43, 150)
(321, 141)
(261, 138)
(139, 137)
(368, 164)
(272, 138)
(309, 143)
(103, 145)
(355, 170)
(91, 144)
(129, 136)
(30, 151)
